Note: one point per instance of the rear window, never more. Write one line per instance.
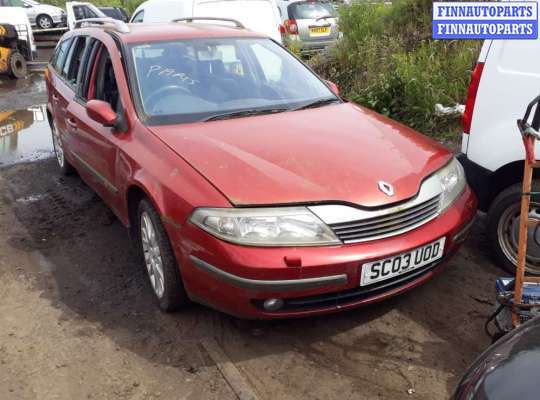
(311, 10)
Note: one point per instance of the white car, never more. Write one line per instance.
(43, 16)
(257, 15)
(503, 83)
(77, 10)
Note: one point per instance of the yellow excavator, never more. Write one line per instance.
(13, 52)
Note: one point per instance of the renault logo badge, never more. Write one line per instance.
(386, 188)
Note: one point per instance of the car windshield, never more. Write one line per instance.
(201, 79)
(311, 10)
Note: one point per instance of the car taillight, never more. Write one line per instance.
(471, 96)
(282, 29)
(292, 28)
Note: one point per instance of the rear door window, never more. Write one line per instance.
(311, 10)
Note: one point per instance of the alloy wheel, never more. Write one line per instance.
(58, 147)
(44, 22)
(152, 254)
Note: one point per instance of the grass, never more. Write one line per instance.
(387, 61)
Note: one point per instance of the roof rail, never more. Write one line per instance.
(117, 25)
(191, 19)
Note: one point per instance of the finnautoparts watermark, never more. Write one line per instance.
(485, 20)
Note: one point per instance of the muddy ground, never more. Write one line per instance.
(77, 319)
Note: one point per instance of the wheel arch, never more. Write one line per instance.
(506, 176)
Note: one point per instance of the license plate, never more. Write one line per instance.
(319, 31)
(391, 267)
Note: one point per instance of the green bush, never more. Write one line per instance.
(387, 61)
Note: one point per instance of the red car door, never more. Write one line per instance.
(60, 92)
(95, 146)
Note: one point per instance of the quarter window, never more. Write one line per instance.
(61, 54)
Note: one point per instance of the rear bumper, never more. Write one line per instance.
(479, 179)
(314, 46)
(238, 279)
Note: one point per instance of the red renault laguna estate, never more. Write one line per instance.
(247, 182)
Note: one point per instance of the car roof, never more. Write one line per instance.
(151, 32)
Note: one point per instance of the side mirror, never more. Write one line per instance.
(333, 87)
(102, 112)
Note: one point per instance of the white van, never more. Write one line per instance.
(504, 81)
(258, 15)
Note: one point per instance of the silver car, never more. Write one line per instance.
(43, 16)
(312, 24)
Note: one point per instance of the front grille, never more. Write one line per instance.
(389, 224)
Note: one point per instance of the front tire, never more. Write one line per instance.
(159, 260)
(503, 229)
(44, 21)
(17, 65)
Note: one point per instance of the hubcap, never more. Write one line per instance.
(152, 254)
(508, 236)
(58, 148)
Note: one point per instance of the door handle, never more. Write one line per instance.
(55, 97)
(72, 123)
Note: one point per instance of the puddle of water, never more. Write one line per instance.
(34, 82)
(25, 136)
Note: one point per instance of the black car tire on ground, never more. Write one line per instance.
(174, 296)
(505, 204)
(44, 21)
(17, 65)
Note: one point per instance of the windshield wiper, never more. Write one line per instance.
(318, 103)
(245, 113)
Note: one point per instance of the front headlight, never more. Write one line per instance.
(452, 180)
(286, 226)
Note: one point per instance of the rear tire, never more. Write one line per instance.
(503, 221)
(159, 260)
(17, 65)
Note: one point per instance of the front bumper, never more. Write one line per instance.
(237, 279)
(59, 20)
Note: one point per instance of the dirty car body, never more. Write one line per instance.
(277, 198)
(507, 369)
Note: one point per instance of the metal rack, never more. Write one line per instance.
(238, 24)
(529, 134)
(119, 26)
